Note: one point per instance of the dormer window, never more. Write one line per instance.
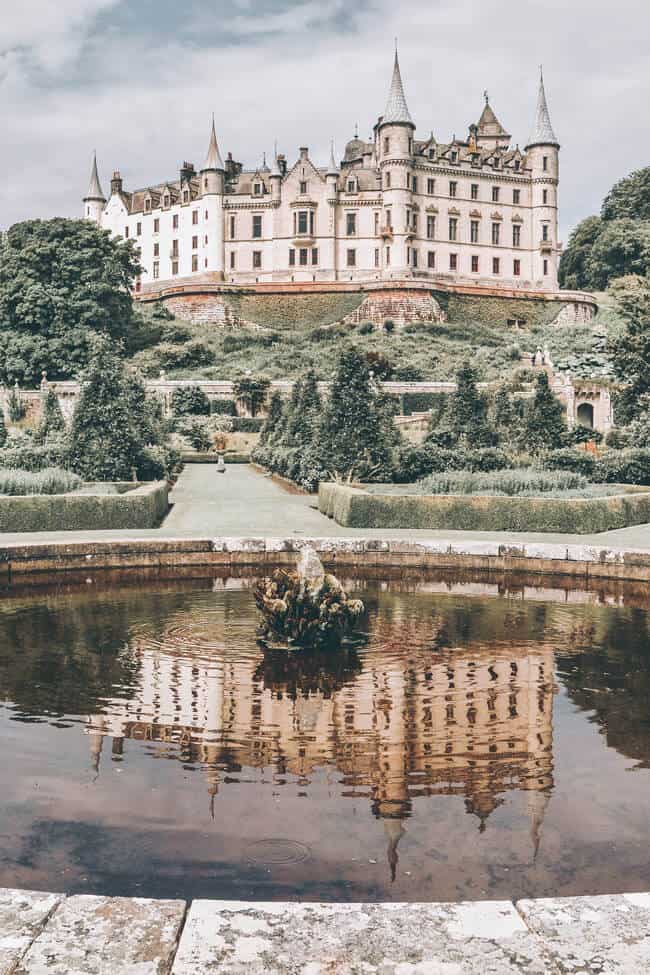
(147, 205)
(432, 153)
(352, 186)
(257, 189)
(454, 156)
(303, 187)
(517, 165)
(186, 196)
(166, 200)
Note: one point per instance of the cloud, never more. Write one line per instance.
(139, 80)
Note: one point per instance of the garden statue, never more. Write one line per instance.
(307, 607)
(221, 465)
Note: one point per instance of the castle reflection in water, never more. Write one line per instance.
(418, 714)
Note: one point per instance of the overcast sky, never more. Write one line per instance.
(139, 79)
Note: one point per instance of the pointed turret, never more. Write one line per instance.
(396, 111)
(489, 130)
(95, 191)
(276, 171)
(213, 160)
(94, 200)
(542, 133)
(333, 169)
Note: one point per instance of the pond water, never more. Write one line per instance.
(483, 741)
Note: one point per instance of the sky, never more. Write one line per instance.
(138, 80)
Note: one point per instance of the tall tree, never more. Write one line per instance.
(631, 350)
(622, 247)
(630, 197)
(572, 272)
(61, 281)
(544, 420)
(356, 432)
(52, 420)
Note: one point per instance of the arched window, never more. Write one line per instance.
(585, 415)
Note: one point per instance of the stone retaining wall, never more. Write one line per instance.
(586, 562)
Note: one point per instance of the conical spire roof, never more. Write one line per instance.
(396, 111)
(542, 133)
(333, 168)
(95, 191)
(213, 159)
(489, 124)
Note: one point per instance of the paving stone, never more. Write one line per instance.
(604, 935)
(238, 938)
(107, 936)
(23, 914)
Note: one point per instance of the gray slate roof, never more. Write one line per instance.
(542, 133)
(396, 108)
(213, 159)
(95, 191)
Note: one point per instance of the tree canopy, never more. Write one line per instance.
(615, 243)
(61, 282)
(631, 350)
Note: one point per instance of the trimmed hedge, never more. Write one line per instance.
(229, 456)
(223, 407)
(142, 506)
(247, 424)
(356, 508)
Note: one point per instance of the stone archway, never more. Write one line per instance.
(585, 415)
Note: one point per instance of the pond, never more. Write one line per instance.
(486, 739)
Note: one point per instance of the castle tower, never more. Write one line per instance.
(542, 158)
(212, 192)
(332, 176)
(94, 200)
(395, 152)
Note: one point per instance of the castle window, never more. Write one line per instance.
(166, 200)
(303, 187)
(292, 257)
(386, 146)
(195, 262)
(545, 231)
(388, 257)
(314, 255)
(232, 260)
(257, 225)
(414, 223)
(257, 259)
(147, 205)
(351, 258)
(389, 218)
(351, 224)
(453, 187)
(453, 228)
(205, 262)
(138, 230)
(516, 235)
(175, 222)
(233, 227)
(516, 197)
(475, 263)
(156, 270)
(414, 184)
(496, 233)
(195, 217)
(432, 153)
(410, 147)
(495, 194)
(126, 233)
(517, 165)
(257, 189)
(304, 256)
(431, 227)
(376, 257)
(516, 267)
(545, 266)
(205, 183)
(174, 248)
(174, 267)
(376, 222)
(431, 259)
(186, 196)
(415, 257)
(474, 191)
(156, 225)
(352, 186)
(473, 231)
(206, 215)
(545, 163)
(453, 262)
(544, 197)
(303, 221)
(195, 243)
(454, 156)
(205, 240)
(431, 186)
(408, 255)
(387, 180)
(496, 265)
(156, 250)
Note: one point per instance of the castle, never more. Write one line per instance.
(396, 208)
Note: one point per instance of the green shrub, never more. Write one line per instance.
(422, 402)
(3, 428)
(409, 374)
(22, 453)
(524, 481)
(579, 434)
(52, 421)
(629, 466)
(366, 328)
(198, 434)
(252, 392)
(247, 424)
(50, 480)
(414, 463)
(223, 407)
(189, 401)
(158, 463)
(570, 459)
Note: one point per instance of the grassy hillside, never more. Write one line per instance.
(477, 330)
